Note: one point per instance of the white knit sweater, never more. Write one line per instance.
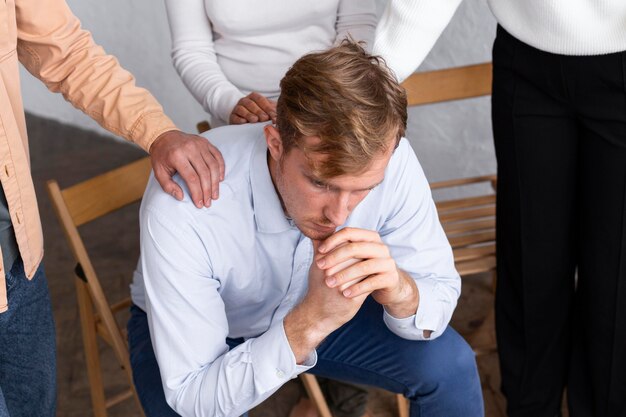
(409, 28)
(225, 49)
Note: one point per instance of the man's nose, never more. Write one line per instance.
(338, 209)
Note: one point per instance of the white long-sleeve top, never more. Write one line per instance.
(225, 49)
(409, 28)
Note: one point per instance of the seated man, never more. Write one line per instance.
(324, 254)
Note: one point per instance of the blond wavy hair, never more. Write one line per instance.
(350, 100)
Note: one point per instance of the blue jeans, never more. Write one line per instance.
(27, 347)
(439, 377)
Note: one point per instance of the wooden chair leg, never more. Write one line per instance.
(92, 355)
(315, 394)
(403, 405)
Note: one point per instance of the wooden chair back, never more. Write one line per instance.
(469, 222)
(76, 206)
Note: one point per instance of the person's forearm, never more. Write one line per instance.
(64, 56)
(408, 30)
(195, 59)
(408, 298)
(357, 19)
(304, 333)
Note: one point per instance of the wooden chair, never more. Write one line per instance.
(76, 206)
(81, 204)
(469, 222)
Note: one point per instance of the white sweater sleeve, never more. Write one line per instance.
(408, 29)
(357, 18)
(194, 58)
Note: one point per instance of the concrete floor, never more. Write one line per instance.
(70, 155)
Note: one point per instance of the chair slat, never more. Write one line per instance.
(118, 398)
(448, 84)
(459, 227)
(467, 214)
(108, 192)
(466, 254)
(482, 200)
(473, 238)
(462, 181)
(121, 305)
(476, 266)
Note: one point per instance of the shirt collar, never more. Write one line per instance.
(268, 212)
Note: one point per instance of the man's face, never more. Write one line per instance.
(318, 206)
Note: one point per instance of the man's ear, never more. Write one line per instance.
(274, 142)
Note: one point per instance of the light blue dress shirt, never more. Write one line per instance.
(237, 268)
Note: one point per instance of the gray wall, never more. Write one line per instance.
(452, 140)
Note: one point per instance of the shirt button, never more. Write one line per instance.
(280, 373)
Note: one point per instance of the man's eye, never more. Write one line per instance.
(318, 184)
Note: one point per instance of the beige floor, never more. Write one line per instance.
(70, 155)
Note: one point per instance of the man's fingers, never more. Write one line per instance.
(348, 234)
(167, 184)
(217, 155)
(360, 270)
(365, 287)
(213, 165)
(174, 152)
(191, 178)
(207, 172)
(356, 250)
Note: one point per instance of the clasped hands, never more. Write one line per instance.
(354, 263)
(347, 267)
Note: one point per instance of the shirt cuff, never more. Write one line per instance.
(273, 360)
(224, 104)
(427, 316)
(149, 127)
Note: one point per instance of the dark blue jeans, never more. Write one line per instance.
(27, 347)
(439, 377)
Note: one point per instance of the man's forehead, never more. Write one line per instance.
(367, 177)
(309, 144)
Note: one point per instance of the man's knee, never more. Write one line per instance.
(446, 364)
(445, 380)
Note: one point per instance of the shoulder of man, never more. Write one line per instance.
(404, 166)
(405, 185)
(237, 144)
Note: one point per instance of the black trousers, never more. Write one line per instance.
(559, 127)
